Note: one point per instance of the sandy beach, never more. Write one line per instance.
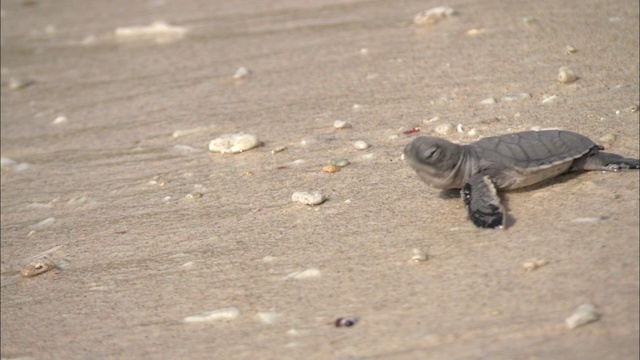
(163, 249)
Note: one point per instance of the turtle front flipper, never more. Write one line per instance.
(483, 203)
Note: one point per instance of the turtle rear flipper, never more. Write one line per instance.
(483, 203)
(596, 160)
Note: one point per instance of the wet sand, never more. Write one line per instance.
(136, 256)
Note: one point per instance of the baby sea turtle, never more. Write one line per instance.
(505, 162)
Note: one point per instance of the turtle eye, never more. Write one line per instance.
(430, 152)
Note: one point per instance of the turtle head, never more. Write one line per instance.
(437, 161)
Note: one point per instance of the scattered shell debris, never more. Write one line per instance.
(60, 120)
(443, 129)
(570, 49)
(330, 169)
(341, 124)
(345, 321)
(304, 274)
(17, 83)
(339, 162)
(547, 99)
(159, 31)
(229, 313)
(308, 198)
(433, 16)
(584, 314)
(419, 255)
(516, 97)
(533, 264)
(234, 143)
(37, 266)
(268, 317)
(185, 132)
(241, 73)
(278, 149)
(566, 75)
(488, 101)
(361, 145)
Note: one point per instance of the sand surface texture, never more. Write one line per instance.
(163, 249)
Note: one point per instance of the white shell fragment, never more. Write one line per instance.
(361, 145)
(566, 75)
(234, 143)
(570, 49)
(433, 16)
(549, 99)
(308, 198)
(278, 149)
(341, 124)
(305, 274)
(419, 255)
(533, 264)
(583, 315)
(60, 120)
(242, 72)
(159, 31)
(184, 132)
(229, 313)
(44, 223)
(488, 101)
(516, 97)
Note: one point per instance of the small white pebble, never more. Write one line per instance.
(214, 315)
(60, 120)
(433, 119)
(242, 72)
(475, 32)
(341, 124)
(566, 75)
(488, 101)
(234, 143)
(364, 51)
(583, 315)
(188, 265)
(166, 198)
(308, 198)
(268, 258)
(443, 129)
(305, 274)
(356, 107)
(361, 145)
(472, 132)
